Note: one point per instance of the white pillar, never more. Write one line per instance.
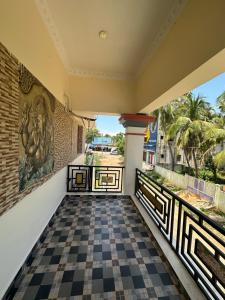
(134, 145)
(147, 157)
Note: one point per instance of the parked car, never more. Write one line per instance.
(114, 152)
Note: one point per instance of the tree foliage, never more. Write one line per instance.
(190, 123)
(221, 103)
(119, 142)
(166, 116)
(91, 134)
(219, 160)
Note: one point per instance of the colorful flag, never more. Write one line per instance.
(147, 134)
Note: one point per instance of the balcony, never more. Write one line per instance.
(102, 246)
(98, 247)
(96, 232)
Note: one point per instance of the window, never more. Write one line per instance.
(162, 155)
(79, 139)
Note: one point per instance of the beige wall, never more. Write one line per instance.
(24, 34)
(99, 95)
(197, 36)
(210, 69)
(179, 64)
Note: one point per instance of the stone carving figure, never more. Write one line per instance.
(36, 132)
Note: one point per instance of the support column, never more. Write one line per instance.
(147, 157)
(134, 146)
(135, 125)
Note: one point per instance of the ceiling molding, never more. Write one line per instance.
(46, 15)
(101, 75)
(50, 24)
(165, 28)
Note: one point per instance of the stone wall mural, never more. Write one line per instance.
(37, 136)
(36, 109)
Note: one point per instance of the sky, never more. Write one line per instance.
(109, 124)
(211, 90)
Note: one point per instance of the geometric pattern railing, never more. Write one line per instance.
(81, 178)
(197, 240)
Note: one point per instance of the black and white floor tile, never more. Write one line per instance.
(98, 248)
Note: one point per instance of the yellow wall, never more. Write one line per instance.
(197, 35)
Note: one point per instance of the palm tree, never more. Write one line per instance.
(195, 107)
(221, 102)
(212, 135)
(189, 130)
(219, 160)
(166, 117)
(219, 121)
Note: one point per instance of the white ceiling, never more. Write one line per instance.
(135, 29)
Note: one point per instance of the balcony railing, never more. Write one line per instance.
(81, 178)
(197, 240)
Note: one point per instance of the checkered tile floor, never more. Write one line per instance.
(98, 249)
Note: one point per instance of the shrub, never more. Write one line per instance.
(206, 175)
(155, 176)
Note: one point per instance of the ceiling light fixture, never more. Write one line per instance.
(103, 34)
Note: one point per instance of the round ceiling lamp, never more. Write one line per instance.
(103, 34)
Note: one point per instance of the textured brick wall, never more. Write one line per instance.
(9, 122)
(65, 134)
(65, 137)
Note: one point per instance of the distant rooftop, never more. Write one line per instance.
(102, 140)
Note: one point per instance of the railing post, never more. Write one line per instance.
(91, 178)
(178, 227)
(68, 179)
(136, 181)
(122, 180)
(172, 220)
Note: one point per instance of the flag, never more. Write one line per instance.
(147, 134)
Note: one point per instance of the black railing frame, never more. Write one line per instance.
(91, 177)
(178, 248)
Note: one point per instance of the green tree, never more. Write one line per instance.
(166, 115)
(119, 142)
(219, 120)
(221, 103)
(187, 129)
(194, 132)
(91, 134)
(219, 160)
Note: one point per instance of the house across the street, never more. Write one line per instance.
(102, 143)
